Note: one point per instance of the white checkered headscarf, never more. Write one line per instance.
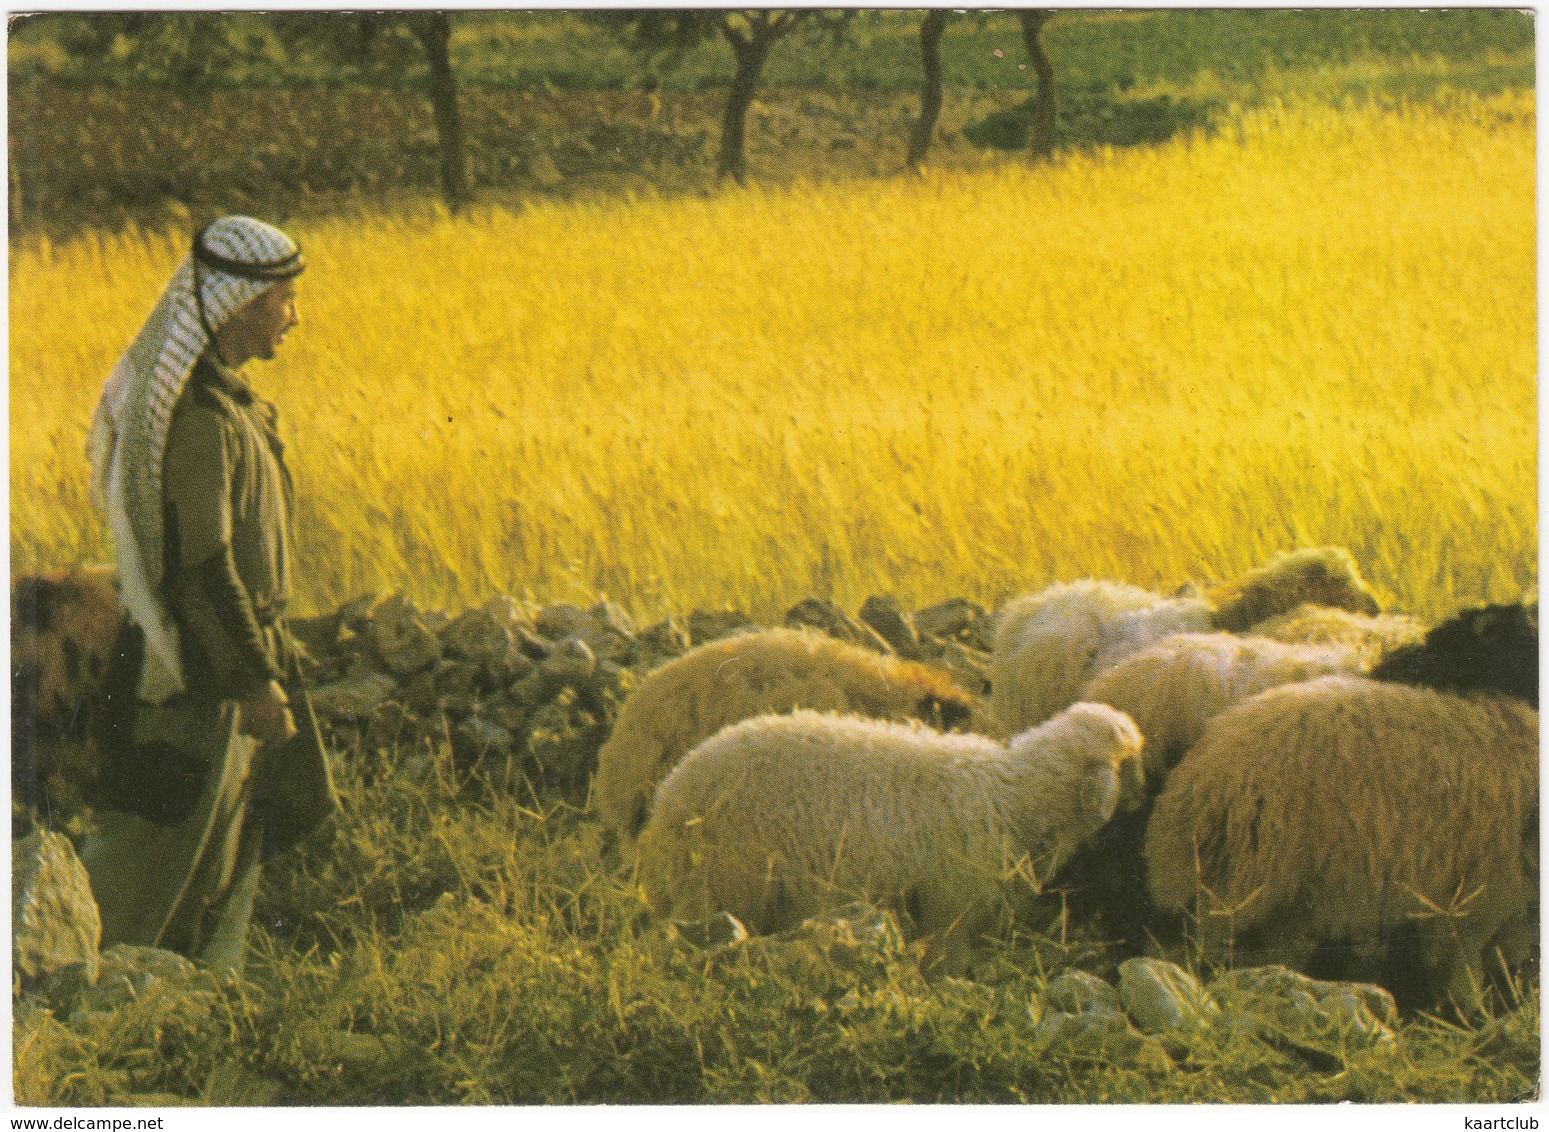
(233, 261)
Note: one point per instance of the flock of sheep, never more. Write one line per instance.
(1301, 778)
(1273, 771)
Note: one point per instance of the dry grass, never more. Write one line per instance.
(1317, 327)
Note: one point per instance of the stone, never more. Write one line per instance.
(886, 616)
(355, 614)
(353, 697)
(401, 638)
(389, 725)
(1161, 997)
(948, 619)
(826, 617)
(478, 637)
(658, 644)
(455, 678)
(711, 625)
(969, 668)
(610, 617)
(1101, 1033)
(505, 609)
(1078, 992)
(132, 973)
(54, 918)
(318, 635)
(572, 662)
(1279, 1004)
(475, 738)
(721, 930)
(556, 622)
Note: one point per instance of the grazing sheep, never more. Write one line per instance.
(1369, 637)
(1352, 812)
(1491, 649)
(781, 817)
(689, 699)
(1049, 645)
(1324, 575)
(1172, 689)
(64, 625)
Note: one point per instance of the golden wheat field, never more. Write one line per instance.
(1316, 326)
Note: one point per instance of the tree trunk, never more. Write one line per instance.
(752, 51)
(434, 31)
(1040, 134)
(931, 28)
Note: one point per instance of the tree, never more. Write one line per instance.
(751, 33)
(1040, 134)
(360, 37)
(932, 26)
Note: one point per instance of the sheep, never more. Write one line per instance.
(1491, 649)
(1370, 637)
(1355, 812)
(781, 817)
(64, 628)
(689, 699)
(1049, 645)
(1324, 575)
(1172, 689)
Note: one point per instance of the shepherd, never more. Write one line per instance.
(213, 760)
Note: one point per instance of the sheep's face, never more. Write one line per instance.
(1326, 576)
(945, 712)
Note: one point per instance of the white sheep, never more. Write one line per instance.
(690, 698)
(1355, 812)
(1048, 645)
(781, 817)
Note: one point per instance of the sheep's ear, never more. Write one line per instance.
(1100, 794)
(1132, 784)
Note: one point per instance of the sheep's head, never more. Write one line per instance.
(1093, 752)
(946, 710)
(1490, 649)
(1325, 575)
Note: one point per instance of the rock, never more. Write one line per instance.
(711, 625)
(562, 745)
(658, 644)
(1079, 992)
(54, 918)
(556, 622)
(948, 620)
(454, 678)
(353, 697)
(609, 617)
(355, 614)
(828, 618)
(474, 738)
(401, 638)
(505, 609)
(572, 662)
(131, 973)
(721, 930)
(1162, 997)
(389, 725)
(852, 936)
(884, 614)
(529, 643)
(477, 637)
(318, 635)
(1278, 1004)
(1102, 1034)
(969, 668)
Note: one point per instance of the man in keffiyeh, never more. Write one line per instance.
(207, 770)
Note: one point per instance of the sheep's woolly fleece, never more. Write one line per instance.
(1491, 649)
(1324, 575)
(782, 817)
(1048, 645)
(1336, 809)
(690, 698)
(1369, 637)
(1172, 689)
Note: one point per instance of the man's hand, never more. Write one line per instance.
(265, 716)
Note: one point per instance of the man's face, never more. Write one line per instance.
(263, 323)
